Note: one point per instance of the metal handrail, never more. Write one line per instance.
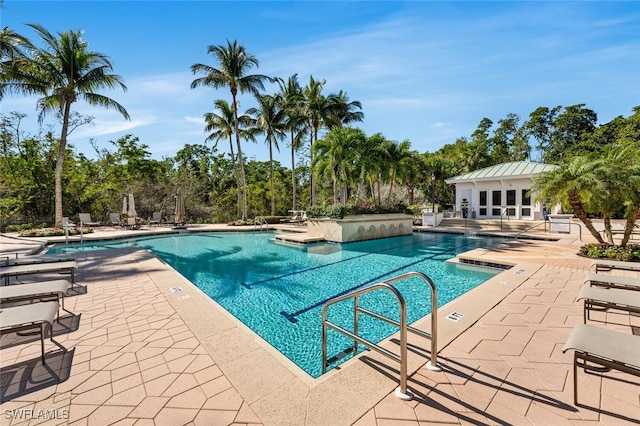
(532, 227)
(402, 391)
(260, 220)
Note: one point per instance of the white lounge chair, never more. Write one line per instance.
(26, 260)
(607, 265)
(602, 299)
(607, 349)
(85, 218)
(35, 291)
(607, 280)
(27, 317)
(69, 266)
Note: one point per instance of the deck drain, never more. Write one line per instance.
(519, 272)
(455, 316)
(176, 289)
(185, 297)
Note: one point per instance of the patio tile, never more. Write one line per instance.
(175, 416)
(149, 407)
(214, 418)
(130, 397)
(193, 398)
(225, 400)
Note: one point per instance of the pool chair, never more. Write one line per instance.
(607, 265)
(26, 317)
(114, 218)
(603, 299)
(607, 280)
(27, 260)
(68, 266)
(85, 218)
(156, 218)
(40, 291)
(604, 350)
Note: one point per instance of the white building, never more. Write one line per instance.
(500, 190)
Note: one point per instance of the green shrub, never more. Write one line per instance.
(339, 211)
(630, 253)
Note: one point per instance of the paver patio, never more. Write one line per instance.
(144, 348)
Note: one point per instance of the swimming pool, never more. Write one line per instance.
(278, 291)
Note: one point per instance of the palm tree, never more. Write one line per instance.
(221, 126)
(270, 119)
(345, 110)
(63, 72)
(337, 157)
(13, 48)
(235, 63)
(574, 183)
(617, 184)
(398, 157)
(292, 99)
(318, 109)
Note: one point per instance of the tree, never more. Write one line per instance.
(291, 99)
(235, 63)
(63, 72)
(318, 109)
(574, 183)
(270, 120)
(336, 156)
(222, 126)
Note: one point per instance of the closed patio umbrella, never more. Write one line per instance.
(132, 206)
(179, 213)
(124, 205)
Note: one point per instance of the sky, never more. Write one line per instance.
(424, 71)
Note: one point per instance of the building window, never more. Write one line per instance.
(511, 197)
(526, 197)
(526, 211)
(483, 211)
(496, 212)
(483, 198)
(496, 198)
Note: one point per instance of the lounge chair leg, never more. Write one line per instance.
(42, 341)
(575, 378)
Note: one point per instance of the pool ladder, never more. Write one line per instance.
(259, 221)
(401, 392)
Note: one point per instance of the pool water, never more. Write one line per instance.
(278, 290)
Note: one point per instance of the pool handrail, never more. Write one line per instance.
(401, 392)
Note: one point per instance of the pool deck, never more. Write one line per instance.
(145, 347)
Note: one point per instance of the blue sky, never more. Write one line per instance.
(423, 71)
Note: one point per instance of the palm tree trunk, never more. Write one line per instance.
(273, 195)
(628, 229)
(235, 173)
(60, 163)
(578, 209)
(243, 181)
(312, 182)
(293, 173)
(607, 229)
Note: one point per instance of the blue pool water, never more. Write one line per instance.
(278, 290)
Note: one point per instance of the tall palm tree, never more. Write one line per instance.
(270, 120)
(346, 112)
(292, 99)
(221, 126)
(234, 63)
(63, 72)
(318, 109)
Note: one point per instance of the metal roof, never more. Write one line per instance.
(505, 170)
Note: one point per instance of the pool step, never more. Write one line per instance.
(298, 238)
